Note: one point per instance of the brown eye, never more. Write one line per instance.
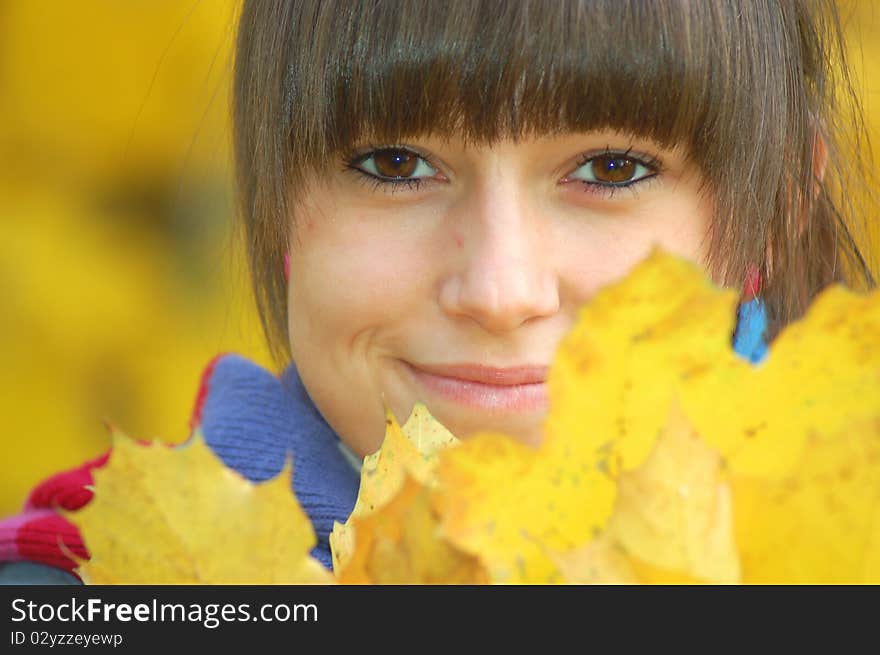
(395, 166)
(395, 163)
(613, 170)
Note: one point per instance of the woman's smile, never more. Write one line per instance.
(519, 389)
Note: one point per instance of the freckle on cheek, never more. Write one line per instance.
(459, 240)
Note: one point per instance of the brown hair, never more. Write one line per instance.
(754, 90)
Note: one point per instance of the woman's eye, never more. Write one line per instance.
(613, 170)
(395, 164)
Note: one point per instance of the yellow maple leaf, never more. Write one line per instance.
(614, 375)
(165, 515)
(675, 512)
(672, 520)
(410, 450)
(822, 376)
(509, 504)
(401, 543)
(821, 522)
(799, 438)
(600, 561)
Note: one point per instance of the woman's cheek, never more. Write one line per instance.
(359, 270)
(357, 289)
(372, 271)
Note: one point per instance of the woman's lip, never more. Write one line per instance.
(487, 375)
(510, 390)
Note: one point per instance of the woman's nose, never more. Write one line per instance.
(503, 274)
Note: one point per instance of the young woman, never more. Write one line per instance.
(431, 190)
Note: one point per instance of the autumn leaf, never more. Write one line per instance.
(675, 511)
(165, 515)
(427, 434)
(820, 523)
(672, 520)
(509, 504)
(599, 561)
(613, 378)
(402, 543)
(799, 438)
(411, 450)
(822, 376)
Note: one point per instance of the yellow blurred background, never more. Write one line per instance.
(116, 252)
(120, 276)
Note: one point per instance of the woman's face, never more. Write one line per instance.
(428, 271)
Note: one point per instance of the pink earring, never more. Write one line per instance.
(752, 286)
(286, 266)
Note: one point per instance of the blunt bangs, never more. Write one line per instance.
(491, 70)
